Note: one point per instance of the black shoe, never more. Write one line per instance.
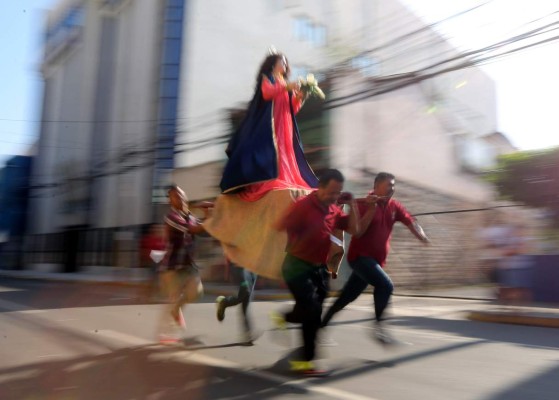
(220, 308)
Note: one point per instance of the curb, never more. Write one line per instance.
(78, 281)
(442, 296)
(514, 319)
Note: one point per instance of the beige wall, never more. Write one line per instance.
(395, 133)
(199, 182)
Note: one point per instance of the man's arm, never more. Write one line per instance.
(417, 230)
(197, 227)
(353, 224)
(367, 216)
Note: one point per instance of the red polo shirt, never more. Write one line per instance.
(375, 241)
(309, 224)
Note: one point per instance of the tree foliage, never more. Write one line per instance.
(529, 177)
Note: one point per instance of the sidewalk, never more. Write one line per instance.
(533, 315)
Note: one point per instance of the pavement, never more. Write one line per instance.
(536, 314)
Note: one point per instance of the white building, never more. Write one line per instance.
(137, 89)
(110, 71)
(419, 132)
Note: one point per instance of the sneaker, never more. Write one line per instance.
(220, 308)
(168, 339)
(278, 320)
(316, 373)
(178, 317)
(300, 366)
(382, 336)
(307, 368)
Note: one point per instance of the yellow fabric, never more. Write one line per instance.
(246, 232)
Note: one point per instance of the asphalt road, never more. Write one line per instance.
(82, 341)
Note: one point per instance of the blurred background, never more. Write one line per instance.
(107, 102)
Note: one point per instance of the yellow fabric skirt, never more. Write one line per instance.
(247, 234)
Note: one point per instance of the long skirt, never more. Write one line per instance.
(246, 230)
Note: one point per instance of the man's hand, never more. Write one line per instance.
(333, 274)
(420, 233)
(372, 199)
(203, 204)
(345, 198)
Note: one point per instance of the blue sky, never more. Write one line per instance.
(527, 83)
(20, 41)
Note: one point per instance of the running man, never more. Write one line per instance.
(369, 248)
(310, 224)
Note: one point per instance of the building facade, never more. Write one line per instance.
(106, 150)
(429, 133)
(142, 93)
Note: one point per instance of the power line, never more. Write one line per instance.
(421, 74)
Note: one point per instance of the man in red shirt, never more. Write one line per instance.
(369, 248)
(310, 223)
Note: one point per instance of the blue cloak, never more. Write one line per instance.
(252, 150)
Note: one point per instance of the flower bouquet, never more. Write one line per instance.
(310, 87)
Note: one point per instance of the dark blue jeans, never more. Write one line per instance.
(366, 271)
(308, 284)
(247, 281)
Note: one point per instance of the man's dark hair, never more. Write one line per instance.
(172, 188)
(384, 176)
(330, 175)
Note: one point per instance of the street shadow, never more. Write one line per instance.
(350, 321)
(192, 344)
(543, 386)
(351, 368)
(528, 336)
(135, 373)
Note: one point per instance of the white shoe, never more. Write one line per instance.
(382, 336)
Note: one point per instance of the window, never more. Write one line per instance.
(367, 65)
(305, 29)
(173, 29)
(170, 71)
(169, 88)
(172, 54)
(302, 27)
(319, 35)
(168, 109)
(173, 14)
